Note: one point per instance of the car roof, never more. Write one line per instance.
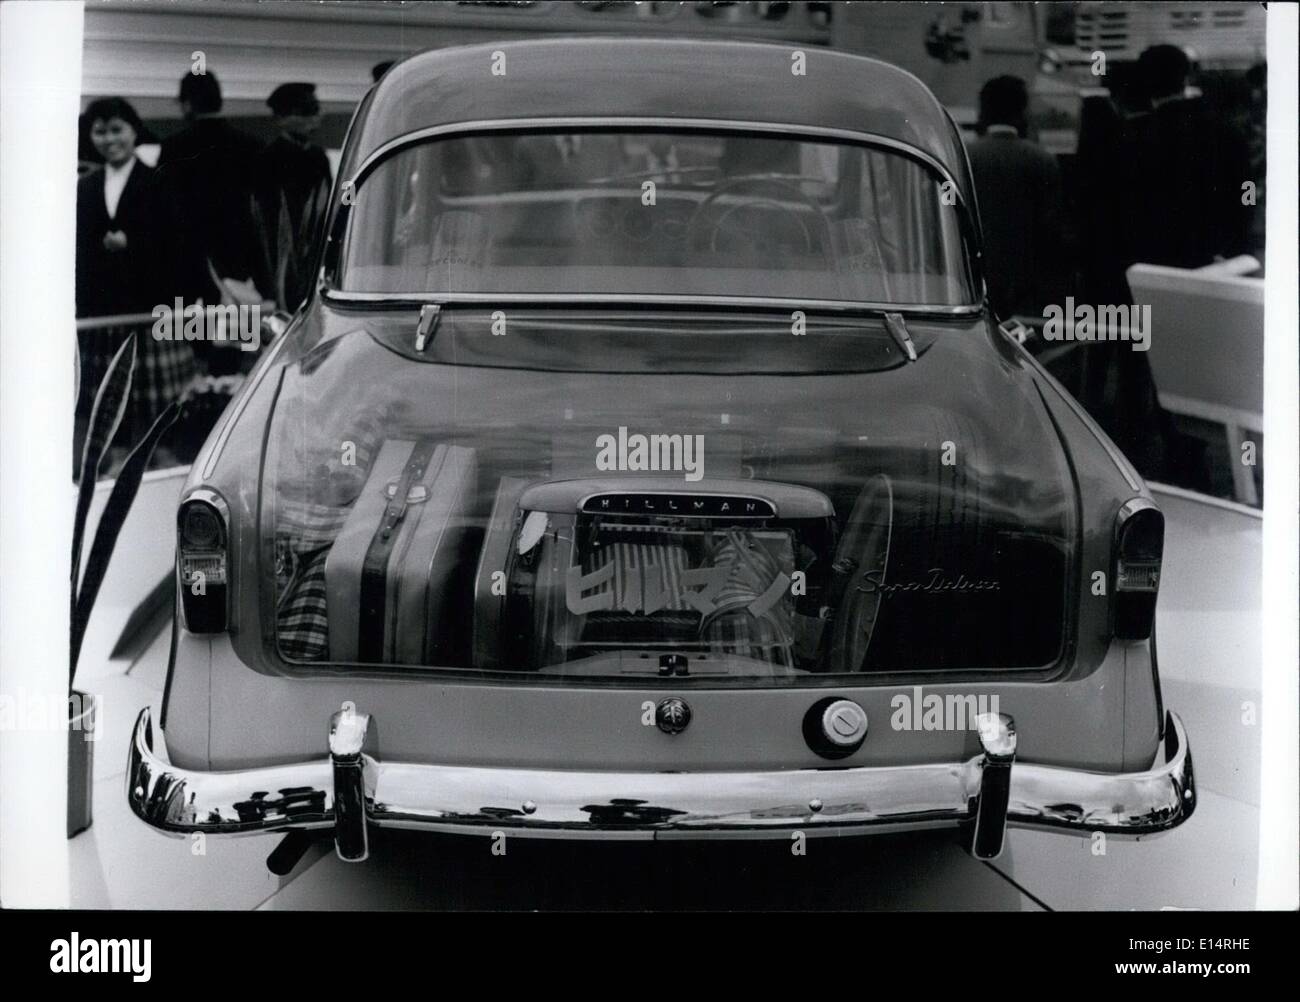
(598, 77)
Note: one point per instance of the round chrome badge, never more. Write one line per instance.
(673, 715)
(835, 727)
(844, 723)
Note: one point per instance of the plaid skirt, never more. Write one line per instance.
(163, 371)
(305, 532)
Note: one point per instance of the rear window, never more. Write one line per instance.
(653, 213)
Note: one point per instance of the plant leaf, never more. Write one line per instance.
(111, 399)
(119, 504)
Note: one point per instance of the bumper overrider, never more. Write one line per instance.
(351, 791)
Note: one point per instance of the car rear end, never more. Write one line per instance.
(564, 512)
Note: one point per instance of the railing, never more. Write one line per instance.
(119, 320)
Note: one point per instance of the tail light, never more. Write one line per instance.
(203, 562)
(1139, 547)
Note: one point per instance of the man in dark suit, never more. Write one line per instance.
(292, 179)
(1018, 186)
(208, 167)
(1185, 168)
(1100, 179)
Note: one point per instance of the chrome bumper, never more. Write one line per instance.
(351, 791)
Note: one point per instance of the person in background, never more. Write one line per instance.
(1100, 179)
(291, 181)
(1019, 189)
(88, 157)
(126, 257)
(122, 216)
(206, 167)
(1184, 170)
(1153, 189)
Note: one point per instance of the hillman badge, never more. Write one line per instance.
(673, 715)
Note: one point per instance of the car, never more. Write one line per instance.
(647, 462)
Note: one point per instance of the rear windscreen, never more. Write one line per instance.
(661, 213)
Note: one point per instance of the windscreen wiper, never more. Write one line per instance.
(897, 327)
(430, 313)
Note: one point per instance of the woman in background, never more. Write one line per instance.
(121, 220)
(126, 264)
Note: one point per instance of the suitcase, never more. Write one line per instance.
(391, 575)
(494, 558)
